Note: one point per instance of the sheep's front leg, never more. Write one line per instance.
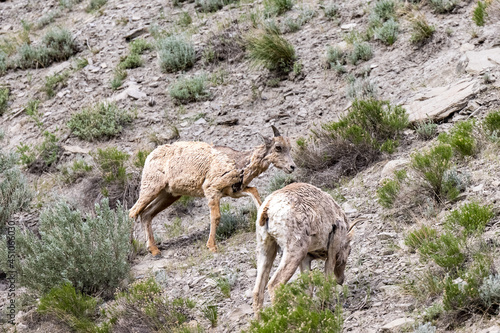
(266, 253)
(214, 205)
(252, 191)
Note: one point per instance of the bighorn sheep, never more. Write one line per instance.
(306, 223)
(199, 169)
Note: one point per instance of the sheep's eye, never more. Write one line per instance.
(278, 149)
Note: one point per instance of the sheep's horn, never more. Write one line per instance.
(356, 221)
(275, 130)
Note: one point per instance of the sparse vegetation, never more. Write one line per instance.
(360, 52)
(230, 222)
(389, 190)
(479, 14)
(99, 121)
(139, 46)
(57, 45)
(278, 181)
(210, 312)
(133, 60)
(417, 238)
(491, 123)
(63, 252)
(296, 310)
(75, 171)
(272, 51)
(4, 99)
(461, 138)
(175, 54)
(277, 7)
(388, 32)
(361, 89)
(95, 5)
(331, 10)
(54, 83)
(421, 31)
(472, 217)
(443, 6)
(426, 130)
(111, 163)
(15, 193)
(187, 90)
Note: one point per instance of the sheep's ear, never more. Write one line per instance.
(268, 141)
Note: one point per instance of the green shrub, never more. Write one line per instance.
(454, 183)
(54, 83)
(4, 99)
(3, 62)
(479, 14)
(57, 45)
(278, 181)
(185, 19)
(138, 46)
(461, 138)
(27, 154)
(187, 90)
(75, 171)
(417, 238)
(331, 10)
(490, 290)
(209, 6)
(432, 165)
(388, 192)
(472, 217)
(15, 193)
(175, 54)
(111, 163)
(90, 251)
(95, 5)
(272, 51)
(230, 222)
(81, 63)
(443, 6)
(99, 121)
(446, 251)
(72, 307)
(296, 310)
(117, 81)
(491, 122)
(305, 15)
(335, 56)
(224, 286)
(32, 111)
(210, 312)
(355, 140)
(463, 294)
(421, 31)
(361, 52)
(361, 88)
(133, 60)
(140, 158)
(47, 19)
(277, 7)
(49, 150)
(143, 303)
(426, 130)
(388, 32)
(384, 10)
(425, 328)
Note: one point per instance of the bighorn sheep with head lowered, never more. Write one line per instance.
(306, 223)
(199, 169)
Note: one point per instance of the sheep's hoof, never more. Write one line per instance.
(212, 247)
(155, 252)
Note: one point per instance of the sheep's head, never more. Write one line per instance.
(278, 149)
(342, 255)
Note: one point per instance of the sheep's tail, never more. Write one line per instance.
(264, 217)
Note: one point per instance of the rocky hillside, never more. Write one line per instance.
(441, 67)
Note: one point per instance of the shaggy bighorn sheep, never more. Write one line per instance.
(306, 223)
(199, 169)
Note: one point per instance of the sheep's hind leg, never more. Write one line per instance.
(265, 257)
(288, 265)
(163, 200)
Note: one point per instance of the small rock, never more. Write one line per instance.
(466, 47)
(397, 323)
(249, 293)
(390, 167)
(200, 121)
(76, 149)
(492, 329)
(251, 273)
(135, 93)
(21, 327)
(386, 235)
(348, 26)
(136, 18)
(228, 121)
(348, 209)
(478, 188)
(240, 312)
(135, 33)
(151, 101)
(8, 27)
